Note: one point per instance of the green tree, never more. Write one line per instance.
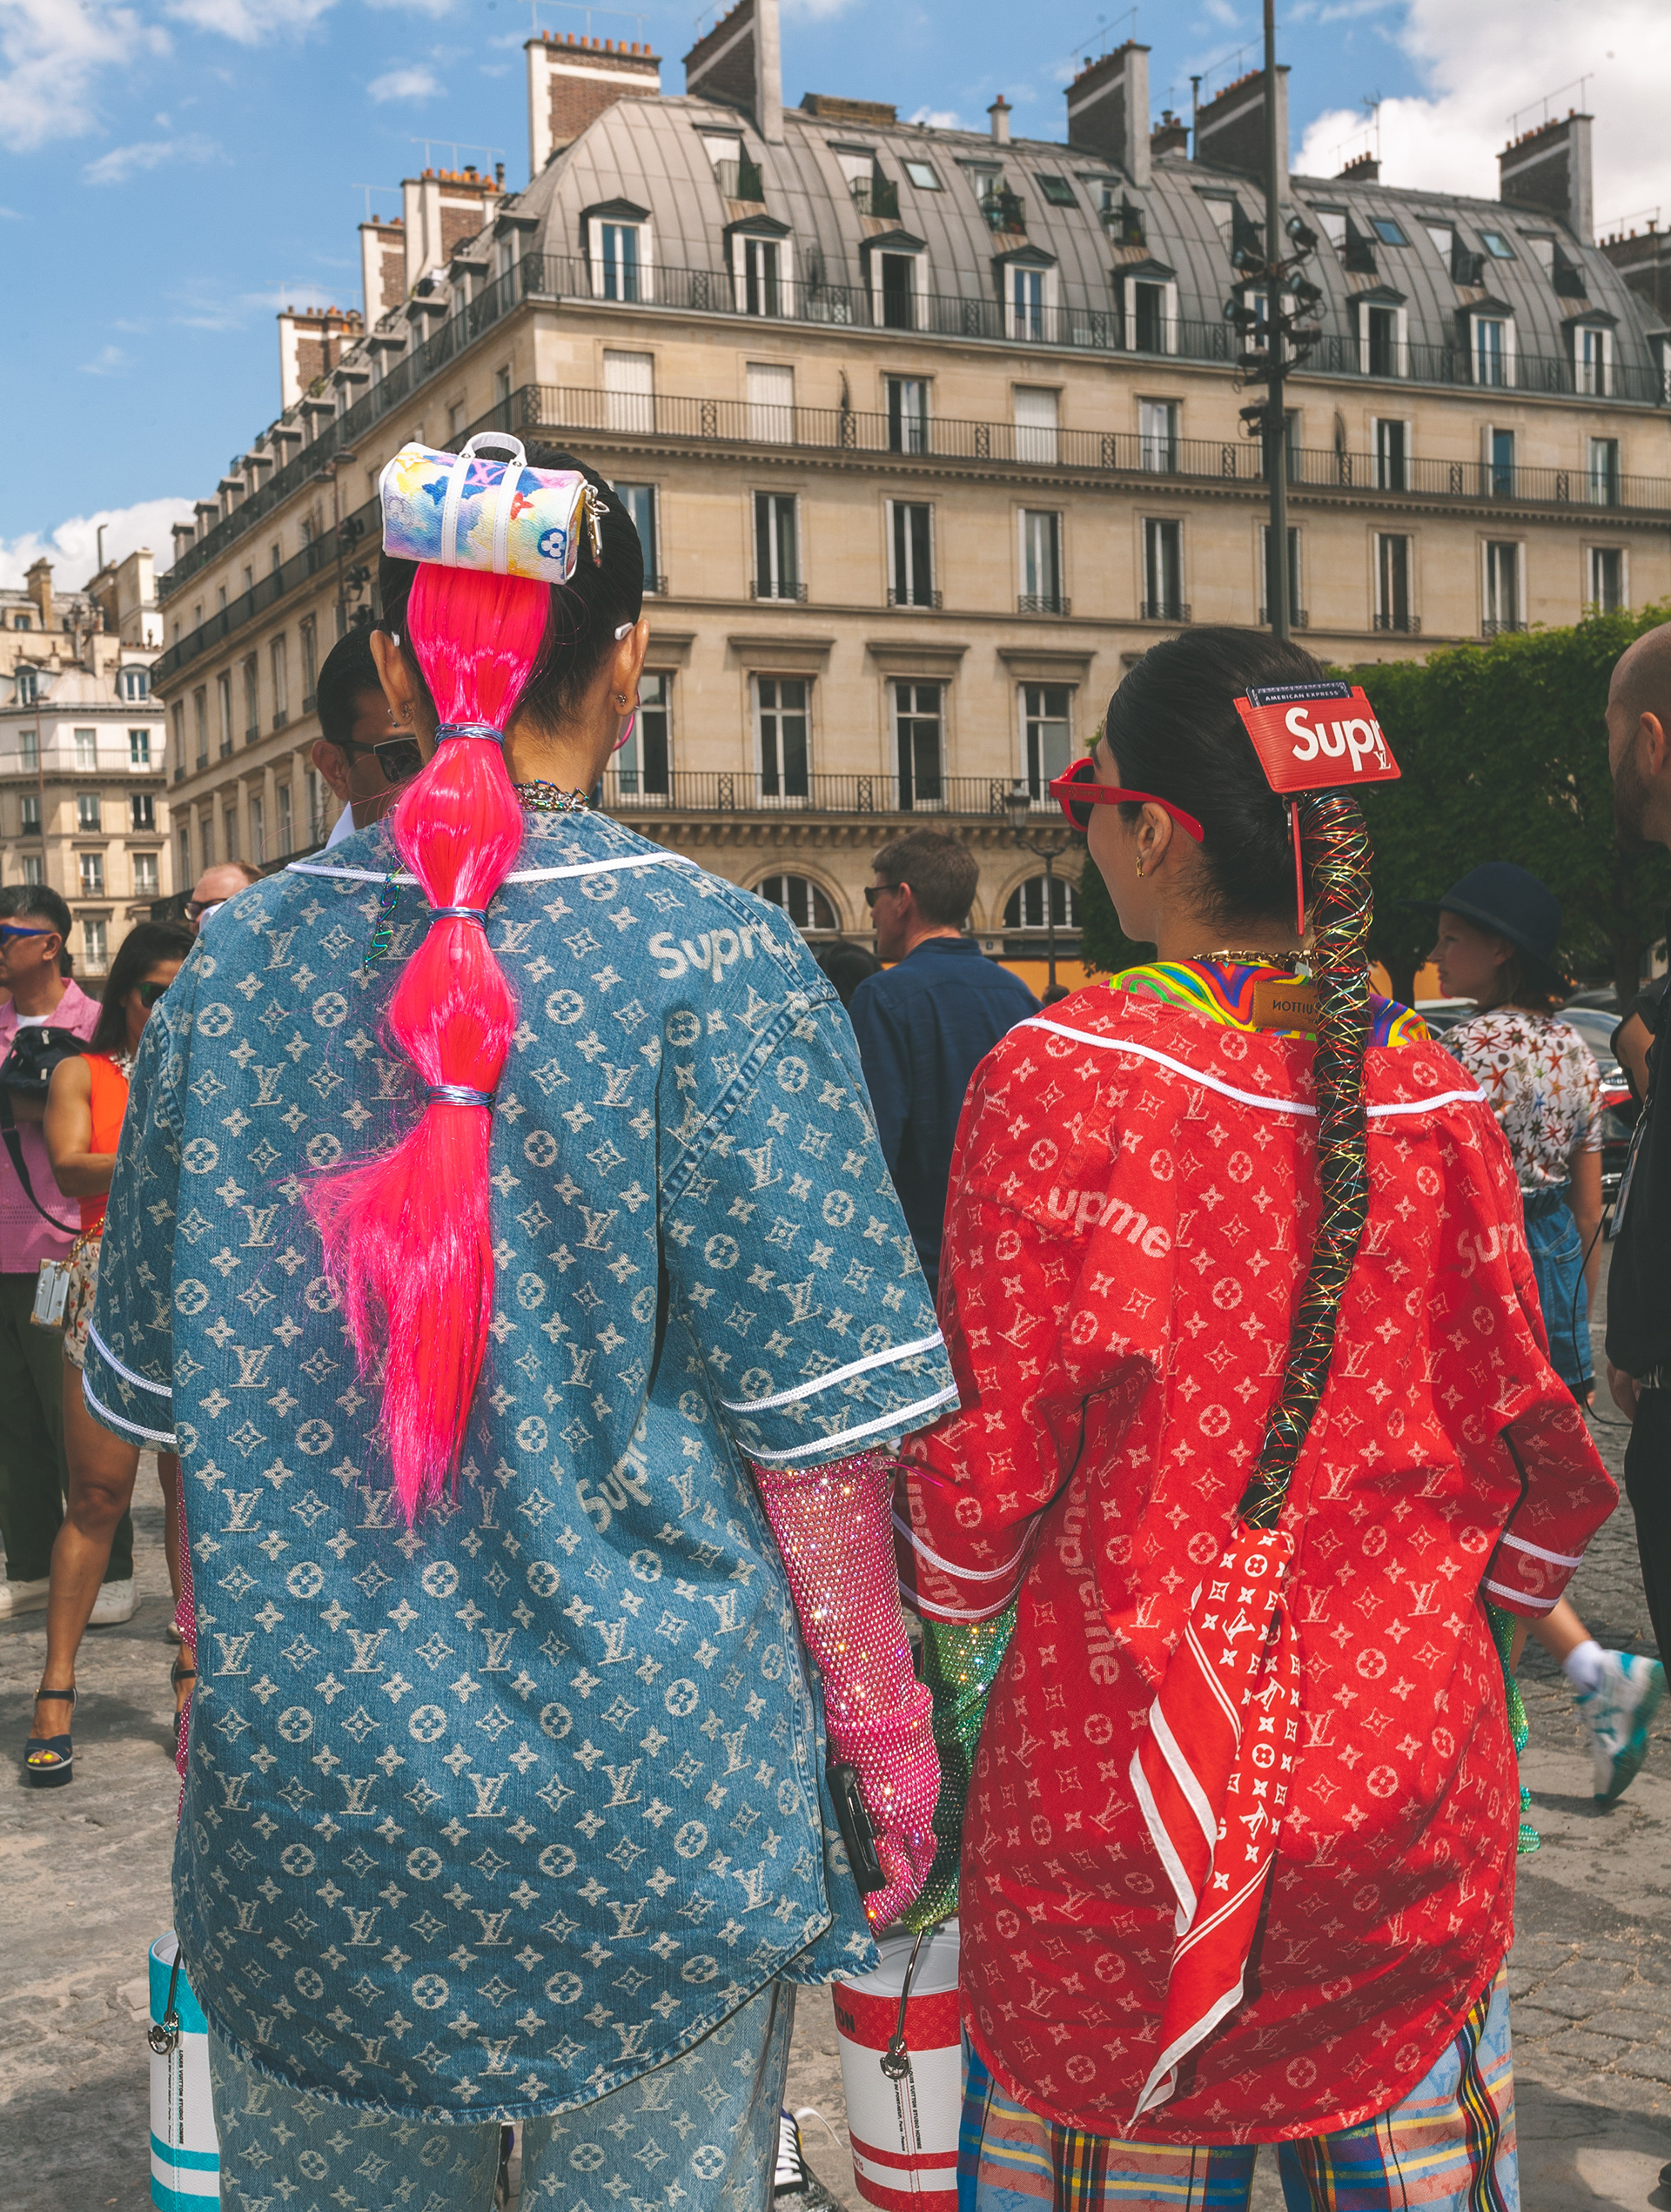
(1504, 753)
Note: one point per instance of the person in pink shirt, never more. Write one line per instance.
(34, 925)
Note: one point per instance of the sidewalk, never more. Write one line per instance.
(87, 1889)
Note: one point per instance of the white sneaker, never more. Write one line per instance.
(115, 1603)
(16, 1598)
(790, 2178)
(1617, 1712)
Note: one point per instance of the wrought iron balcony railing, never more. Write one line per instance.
(726, 791)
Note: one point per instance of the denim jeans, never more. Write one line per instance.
(1557, 1262)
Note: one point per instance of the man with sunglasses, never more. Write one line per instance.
(214, 886)
(364, 754)
(34, 927)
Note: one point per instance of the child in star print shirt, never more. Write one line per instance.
(1134, 1203)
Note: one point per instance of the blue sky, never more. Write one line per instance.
(172, 172)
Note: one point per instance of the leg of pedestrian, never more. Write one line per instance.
(32, 1475)
(1647, 1484)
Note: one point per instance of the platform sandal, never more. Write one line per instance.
(48, 1761)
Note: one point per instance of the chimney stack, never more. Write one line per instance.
(1229, 127)
(1169, 136)
(999, 113)
(1548, 169)
(1643, 259)
(740, 64)
(37, 582)
(1364, 169)
(1108, 108)
(571, 82)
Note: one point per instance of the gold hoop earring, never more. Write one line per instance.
(1139, 863)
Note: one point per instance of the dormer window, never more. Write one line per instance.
(619, 241)
(1058, 190)
(737, 177)
(762, 267)
(133, 683)
(923, 176)
(620, 259)
(1592, 361)
(1491, 345)
(26, 687)
(1497, 245)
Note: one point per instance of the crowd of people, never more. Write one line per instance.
(686, 1455)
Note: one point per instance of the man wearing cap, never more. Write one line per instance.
(1639, 1288)
(1498, 931)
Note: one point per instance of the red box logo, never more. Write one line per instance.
(1317, 740)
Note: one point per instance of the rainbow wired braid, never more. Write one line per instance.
(1335, 845)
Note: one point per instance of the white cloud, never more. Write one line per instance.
(11, 215)
(123, 162)
(110, 360)
(420, 7)
(414, 82)
(73, 547)
(939, 118)
(51, 53)
(248, 22)
(1481, 65)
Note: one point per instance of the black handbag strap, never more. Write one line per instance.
(11, 1136)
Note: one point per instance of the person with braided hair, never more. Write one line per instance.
(1256, 1415)
(510, 1257)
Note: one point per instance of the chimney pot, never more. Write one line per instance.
(1000, 113)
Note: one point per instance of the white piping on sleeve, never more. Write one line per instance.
(161, 1390)
(831, 1446)
(837, 1375)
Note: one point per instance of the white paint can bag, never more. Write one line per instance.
(185, 2149)
(902, 2070)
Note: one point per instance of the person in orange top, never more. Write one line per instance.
(84, 1105)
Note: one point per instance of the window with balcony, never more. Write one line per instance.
(918, 729)
(1041, 563)
(643, 764)
(777, 546)
(132, 684)
(29, 823)
(23, 622)
(908, 415)
(1158, 435)
(1604, 472)
(781, 720)
(760, 276)
(1500, 464)
(286, 823)
(1592, 362)
(142, 810)
(176, 713)
(1163, 572)
(200, 723)
(93, 875)
(1036, 415)
(252, 700)
(911, 544)
(95, 943)
(1503, 604)
(140, 748)
(629, 392)
(1391, 455)
(803, 903)
(897, 291)
(258, 827)
(1151, 325)
(86, 748)
(26, 687)
(1606, 564)
(619, 256)
(1026, 298)
(1380, 349)
(1046, 734)
(771, 402)
(224, 710)
(307, 631)
(1297, 618)
(639, 499)
(145, 876)
(1492, 349)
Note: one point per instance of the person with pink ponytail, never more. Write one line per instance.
(503, 1240)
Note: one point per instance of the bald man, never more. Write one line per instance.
(1639, 1281)
(214, 886)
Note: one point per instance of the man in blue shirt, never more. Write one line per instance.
(926, 1022)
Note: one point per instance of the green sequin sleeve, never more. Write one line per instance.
(959, 1664)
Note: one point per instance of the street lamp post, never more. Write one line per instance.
(1047, 845)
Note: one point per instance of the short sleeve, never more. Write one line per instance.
(128, 1379)
(787, 1252)
(1589, 1085)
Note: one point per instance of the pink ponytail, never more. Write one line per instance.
(407, 1236)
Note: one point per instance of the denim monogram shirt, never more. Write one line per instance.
(494, 1813)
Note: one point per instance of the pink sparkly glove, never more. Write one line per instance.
(835, 1529)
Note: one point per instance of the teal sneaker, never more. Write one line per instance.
(1617, 1712)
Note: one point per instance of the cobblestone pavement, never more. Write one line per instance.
(86, 1889)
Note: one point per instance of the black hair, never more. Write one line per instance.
(36, 902)
(585, 613)
(847, 967)
(145, 944)
(349, 674)
(1173, 729)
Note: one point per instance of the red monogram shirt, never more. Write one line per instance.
(1132, 1204)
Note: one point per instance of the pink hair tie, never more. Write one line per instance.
(469, 729)
(456, 1095)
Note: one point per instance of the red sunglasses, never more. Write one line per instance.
(1079, 791)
